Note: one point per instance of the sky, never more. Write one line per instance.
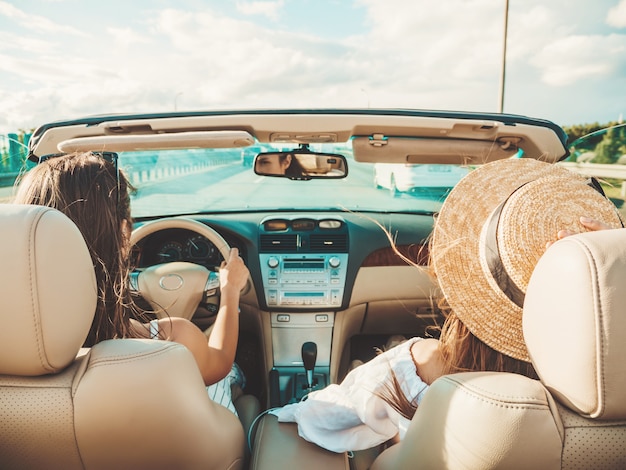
(63, 59)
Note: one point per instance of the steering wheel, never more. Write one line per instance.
(176, 289)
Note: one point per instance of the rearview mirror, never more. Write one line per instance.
(301, 165)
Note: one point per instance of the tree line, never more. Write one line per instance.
(606, 143)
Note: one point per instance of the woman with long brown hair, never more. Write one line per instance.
(91, 190)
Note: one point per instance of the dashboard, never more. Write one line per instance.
(298, 261)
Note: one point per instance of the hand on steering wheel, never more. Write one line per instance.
(176, 289)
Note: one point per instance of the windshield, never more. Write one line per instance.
(222, 180)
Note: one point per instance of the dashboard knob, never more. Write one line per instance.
(334, 262)
(272, 262)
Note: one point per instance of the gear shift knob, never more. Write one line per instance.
(309, 356)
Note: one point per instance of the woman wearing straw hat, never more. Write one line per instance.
(491, 231)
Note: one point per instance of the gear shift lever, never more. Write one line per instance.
(309, 355)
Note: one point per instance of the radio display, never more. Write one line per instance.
(303, 264)
(304, 294)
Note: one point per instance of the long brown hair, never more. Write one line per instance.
(84, 186)
(463, 352)
(460, 349)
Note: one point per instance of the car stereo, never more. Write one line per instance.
(304, 281)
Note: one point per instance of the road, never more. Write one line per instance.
(233, 187)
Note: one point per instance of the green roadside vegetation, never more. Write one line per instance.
(602, 147)
(13, 153)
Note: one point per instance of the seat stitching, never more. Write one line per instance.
(475, 387)
(600, 328)
(494, 401)
(34, 304)
(132, 357)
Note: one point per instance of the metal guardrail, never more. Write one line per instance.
(598, 170)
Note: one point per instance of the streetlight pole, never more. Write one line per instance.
(503, 71)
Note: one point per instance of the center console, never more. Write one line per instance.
(303, 264)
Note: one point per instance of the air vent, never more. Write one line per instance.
(327, 243)
(279, 243)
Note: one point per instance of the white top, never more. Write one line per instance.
(350, 415)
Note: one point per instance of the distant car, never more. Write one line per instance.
(408, 177)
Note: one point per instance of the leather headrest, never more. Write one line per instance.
(47, 290)
(575, 322)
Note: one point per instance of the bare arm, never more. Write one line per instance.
(223, 339)
(215, 357)
(428, 359)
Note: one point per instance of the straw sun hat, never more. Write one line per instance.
(490, 233)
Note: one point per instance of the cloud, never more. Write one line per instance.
(228, 60)
(23, 45)
(270, 10)
(53, 70)
(224, 62)
(427, 54)
(36, 23)
(616, 16)
(574, 58)
(126, 37)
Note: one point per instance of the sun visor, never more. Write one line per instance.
(165, 141)
(427, 150)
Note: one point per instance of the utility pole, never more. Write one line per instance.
(503, 71)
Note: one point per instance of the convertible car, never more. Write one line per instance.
(337, 268)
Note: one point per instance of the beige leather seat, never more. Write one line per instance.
(123, 404)
(575, 416)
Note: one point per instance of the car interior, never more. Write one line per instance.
(337, 269)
